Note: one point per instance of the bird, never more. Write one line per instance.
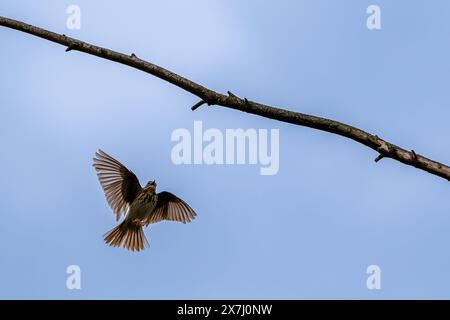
(140, 206)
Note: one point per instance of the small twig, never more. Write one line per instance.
(231, 94)
(414, 156)
(246, 101)
(133, 56)
(70, 47)
(380, 156)
(390, 152)
(198, 105)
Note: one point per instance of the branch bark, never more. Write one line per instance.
(384, 148)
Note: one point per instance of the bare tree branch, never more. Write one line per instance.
(385, 149)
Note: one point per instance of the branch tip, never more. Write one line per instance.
(71, 47)
(414, 155)
(231, 94)
(198, 105)
(380, 156)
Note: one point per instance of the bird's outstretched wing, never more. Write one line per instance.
(170, 207)
(121, 186)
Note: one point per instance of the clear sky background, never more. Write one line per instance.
(308, 232)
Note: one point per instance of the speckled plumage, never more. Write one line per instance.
(141, 206)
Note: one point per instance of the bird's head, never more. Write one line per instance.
(151, 185)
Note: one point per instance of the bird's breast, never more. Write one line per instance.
(142, 206)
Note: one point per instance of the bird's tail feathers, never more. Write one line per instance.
(127, 234)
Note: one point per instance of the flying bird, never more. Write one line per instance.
(140, 206)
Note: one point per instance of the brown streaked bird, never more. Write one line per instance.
(141, 206)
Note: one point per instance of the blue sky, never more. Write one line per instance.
(309, 231)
